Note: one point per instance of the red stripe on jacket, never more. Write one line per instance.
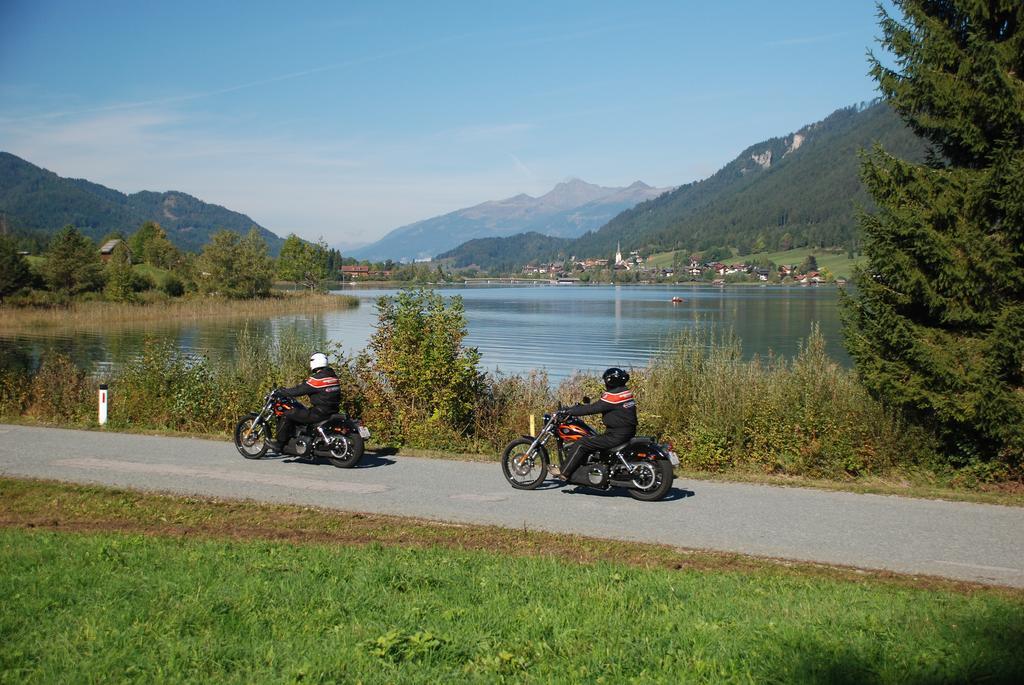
(617, 397)
(322, 382)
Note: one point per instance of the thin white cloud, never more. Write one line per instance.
(525, 170)
(186, 97)
(343, 190)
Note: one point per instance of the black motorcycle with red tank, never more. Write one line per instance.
(642, 465)
(340, 439)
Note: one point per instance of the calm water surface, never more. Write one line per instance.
(517, 328)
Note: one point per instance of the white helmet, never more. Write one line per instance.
(317, 360)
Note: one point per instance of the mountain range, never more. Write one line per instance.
(35, 199)
(801, 189)
(570, 209)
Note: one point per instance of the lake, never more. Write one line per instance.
(517, 328)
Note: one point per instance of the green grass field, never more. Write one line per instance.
(183, 605)
(838, 263)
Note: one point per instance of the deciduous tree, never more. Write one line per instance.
(302, 262)
(119, 275)
(234, 266)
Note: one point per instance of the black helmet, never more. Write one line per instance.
(614, 378)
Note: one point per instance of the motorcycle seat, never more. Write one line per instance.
(638, 440)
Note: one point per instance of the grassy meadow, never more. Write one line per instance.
(837, 263)
(107, 585)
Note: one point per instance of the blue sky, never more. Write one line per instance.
(348, 119)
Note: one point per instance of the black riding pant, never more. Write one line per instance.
(300, 414)
(593, 443)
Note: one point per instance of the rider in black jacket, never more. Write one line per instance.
(323, 390)
(618, 411)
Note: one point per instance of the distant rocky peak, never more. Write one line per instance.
(573, 193)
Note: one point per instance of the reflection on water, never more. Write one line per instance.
(557, 328)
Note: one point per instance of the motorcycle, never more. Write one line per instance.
(338, 438)
(642, 466)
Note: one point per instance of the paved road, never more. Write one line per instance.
(975, 542)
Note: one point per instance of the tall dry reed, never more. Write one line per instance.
(86, 315)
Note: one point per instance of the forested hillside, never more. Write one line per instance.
(799, 190)
(35, 200)
(500, 255)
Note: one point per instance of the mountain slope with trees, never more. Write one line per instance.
(502, 255)
(798, 190)
(35, 200)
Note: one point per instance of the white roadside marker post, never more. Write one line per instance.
(533, 432)
(103, 404)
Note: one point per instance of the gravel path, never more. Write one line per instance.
(974, 542)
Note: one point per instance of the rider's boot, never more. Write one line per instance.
(574, 460)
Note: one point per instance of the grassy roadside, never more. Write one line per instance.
(109, 584)
(91, 315)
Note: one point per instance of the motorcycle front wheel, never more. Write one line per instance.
(345, 451)
(250, 437)
(652, 480)
(523, 470)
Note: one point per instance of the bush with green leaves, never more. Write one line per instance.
(419, 370)
(805, 416)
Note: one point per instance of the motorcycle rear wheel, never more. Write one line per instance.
(522, 470)
(654, 482)
(345, 451)
(250, 440)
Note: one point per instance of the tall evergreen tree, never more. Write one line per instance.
(73, 263)
(14, 271)
(936, 326)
